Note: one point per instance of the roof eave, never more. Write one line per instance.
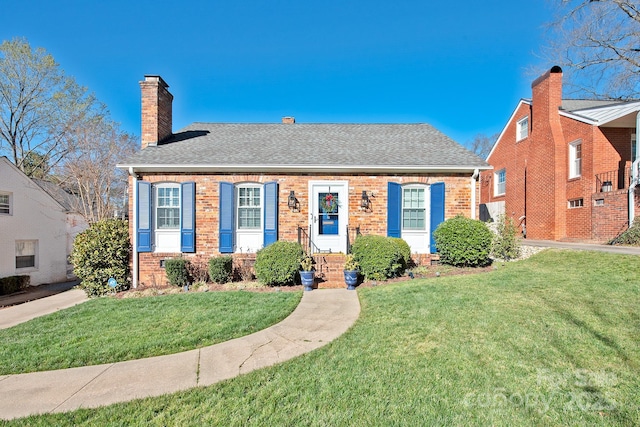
(176, 168)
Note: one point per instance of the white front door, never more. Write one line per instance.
(329, 213)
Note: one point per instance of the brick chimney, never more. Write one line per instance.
(288, 120)
(156, 111)
(548, 159)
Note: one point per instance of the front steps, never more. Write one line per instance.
(329, 271)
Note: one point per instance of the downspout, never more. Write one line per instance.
(634, 175)
(135, 227)
(474, 177)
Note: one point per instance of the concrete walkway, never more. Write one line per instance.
(628, 250)
(11, 316)
(322, 316)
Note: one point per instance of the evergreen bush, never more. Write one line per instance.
(177, 270)
(101, 252)
(221, 269)
(11, 284)
(379, 257)
(629, 237)
(405, 251)
(505, 244)
(278, 263)
(463, 242)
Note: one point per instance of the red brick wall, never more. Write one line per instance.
(457, 201)
(610, 217)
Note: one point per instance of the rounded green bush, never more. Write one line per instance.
(405, 251)
(278, 263)
(177, 270)
(379, 257)
(101, 252)
(221, 269)
(463, 242)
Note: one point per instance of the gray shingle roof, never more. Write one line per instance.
(312, 146)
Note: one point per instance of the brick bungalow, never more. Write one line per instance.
(214, 188)
(562, 168)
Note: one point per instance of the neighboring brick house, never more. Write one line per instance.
(562, 168)
(213, 188)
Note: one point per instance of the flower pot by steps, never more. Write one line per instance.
(351, 279)
(307, 278)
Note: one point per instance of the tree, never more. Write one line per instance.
(89, 170)
(482, 144)
(39, 106)
(597, 42)
(53, 129)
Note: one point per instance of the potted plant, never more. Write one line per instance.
(306, 272)
(351, 268)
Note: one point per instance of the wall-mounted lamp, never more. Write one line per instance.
(292, 202)
(365, 202)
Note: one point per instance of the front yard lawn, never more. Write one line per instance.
(107, 330)
(552, 340)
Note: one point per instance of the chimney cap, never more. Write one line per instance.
(288, 120)
(156, 79)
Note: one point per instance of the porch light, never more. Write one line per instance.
(292, 202)
(365, 203)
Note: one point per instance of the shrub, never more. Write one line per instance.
(278, 263)
(379, 257)
(629, 237)
(99, 253)
(177, 270)
(405, 251)
(221, 269)
(505, 244)
(463, 242)
(11, 284)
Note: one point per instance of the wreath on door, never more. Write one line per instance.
(329, 203)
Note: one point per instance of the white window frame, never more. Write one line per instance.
(522, 128)
(575, 162)
(26, 248)
(500, 187)
(423, 208)
(6, 208)
(575, 203)
(418, 239)
(248, 240)
(633, 147)
(166, 239)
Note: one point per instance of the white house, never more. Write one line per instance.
(36, 230)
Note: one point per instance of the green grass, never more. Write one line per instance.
(107, 330)
(552, 340)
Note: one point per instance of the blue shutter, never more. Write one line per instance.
(394, 209)
(226, 217)
(188, 217)
(270, 213)
(437, 210)
(143, 205)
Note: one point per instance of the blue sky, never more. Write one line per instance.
(460, 66)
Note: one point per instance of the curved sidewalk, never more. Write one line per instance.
(322, 316)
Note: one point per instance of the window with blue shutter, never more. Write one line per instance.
(394, 209)
(188, 217)
(226, 226)
(143, 231)
(437, 210)
(270, 213)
